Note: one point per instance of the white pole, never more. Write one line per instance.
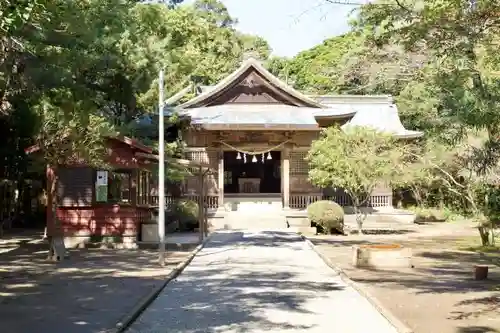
(161, 172)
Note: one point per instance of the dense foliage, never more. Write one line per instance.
(356, 160)
(438, 59)
(73, 70)
(328, 216)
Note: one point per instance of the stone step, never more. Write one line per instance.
(240, 220)
(256, 208)
(308, 231)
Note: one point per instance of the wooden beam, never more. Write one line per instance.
(178, 161)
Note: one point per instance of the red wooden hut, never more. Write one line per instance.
(103, 205)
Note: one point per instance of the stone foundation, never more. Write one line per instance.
(115, 242)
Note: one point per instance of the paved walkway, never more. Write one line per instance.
(259, 282)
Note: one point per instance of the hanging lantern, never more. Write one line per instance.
(238, 157)
(263, 156)
(254, 159)
(269, 157)
(244, 158)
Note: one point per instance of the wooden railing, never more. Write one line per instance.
(211, 201)
(302, 200)
(374, 201)
(297, 200)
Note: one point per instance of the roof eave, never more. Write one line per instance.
(410, 135)
(335, 117)
(132, 143)
(285, 127)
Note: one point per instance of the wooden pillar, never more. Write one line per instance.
(286, 178)
(220, 181)
(133, 185)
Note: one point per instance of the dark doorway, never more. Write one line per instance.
(266, 169)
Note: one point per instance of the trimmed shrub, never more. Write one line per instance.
(327, 215)
(186, 212)
(429, 214)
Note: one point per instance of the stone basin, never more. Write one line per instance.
(381, 256)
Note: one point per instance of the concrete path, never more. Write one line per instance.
(268, 281)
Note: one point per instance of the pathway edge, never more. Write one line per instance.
(386, 313)
(127, 320)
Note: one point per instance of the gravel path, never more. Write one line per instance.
(259, 282)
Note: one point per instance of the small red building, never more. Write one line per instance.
(104, 205)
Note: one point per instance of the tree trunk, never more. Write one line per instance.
(484, 233)
(417, 195)
(52, 202)
(359, 216)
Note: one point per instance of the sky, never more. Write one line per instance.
(289, 26)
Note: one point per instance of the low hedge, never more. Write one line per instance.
(327, 216)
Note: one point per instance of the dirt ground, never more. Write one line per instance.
(438, 294)
(89, 292)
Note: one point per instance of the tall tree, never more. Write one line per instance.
(458, 37)
(355, 160)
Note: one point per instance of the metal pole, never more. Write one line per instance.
(201, 203)
(161, 171)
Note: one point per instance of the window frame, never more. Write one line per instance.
(143, 193)
(129, 173)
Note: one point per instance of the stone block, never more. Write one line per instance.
(381, 256)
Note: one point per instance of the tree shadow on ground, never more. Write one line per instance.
(440, 276)
(220, 296)
(257, 238)
(87, 293)
(477, 329)
(436, 272)
(487, 305)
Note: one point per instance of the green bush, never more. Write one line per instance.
(429, 214)
(327, 215)
(186, 213)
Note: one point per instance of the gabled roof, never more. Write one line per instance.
(235, 76)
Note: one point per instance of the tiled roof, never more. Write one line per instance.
(258, 114)
(383, 118)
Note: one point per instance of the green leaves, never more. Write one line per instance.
(356, 160)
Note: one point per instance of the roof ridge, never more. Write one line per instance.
(247, 64)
